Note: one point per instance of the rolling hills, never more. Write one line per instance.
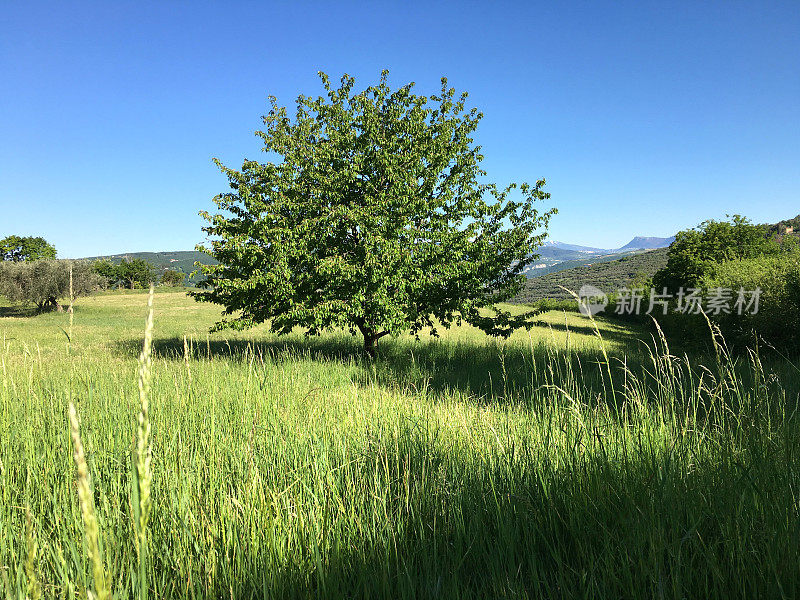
(556, 256)
(608, 275)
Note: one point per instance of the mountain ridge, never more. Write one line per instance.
(638, 242)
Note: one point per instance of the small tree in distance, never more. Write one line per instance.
(172, 278)
(373, 218)
(107, 270)
(136, 271)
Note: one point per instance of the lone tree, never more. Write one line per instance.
(136, 271)
(372, 215)
(16, 248)
(172, 278)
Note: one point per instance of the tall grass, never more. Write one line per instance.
(461, 468)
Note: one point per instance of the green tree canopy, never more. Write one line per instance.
(173, 278)
(372, 215)
(16, 248)
(107, 270)
(46, 282)
(695, 252)
(136, 272)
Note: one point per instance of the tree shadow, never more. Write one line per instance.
(521, 527)
(489, 371)
(16, 310)
(611, 331)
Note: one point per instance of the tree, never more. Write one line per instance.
(107, 270)
(45, 282)
(695, 252)
(136, 271)
(373, 218)
(16, 248)
(172, 278)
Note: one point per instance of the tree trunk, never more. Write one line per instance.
(370, 345)
(371, 338)
(50, 303)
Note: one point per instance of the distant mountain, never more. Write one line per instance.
(575, 247)
(637, 243)
(647, 243)
(554, 253)
(556, 256)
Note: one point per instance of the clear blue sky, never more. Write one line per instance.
(645, 118)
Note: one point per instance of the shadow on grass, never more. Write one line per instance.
(485, 371)
(642, 526)
(17, 311)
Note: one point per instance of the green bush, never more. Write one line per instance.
(777, 321)
(695, 252)
(552, 304)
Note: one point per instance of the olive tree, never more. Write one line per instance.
(46, 282)
(371, 214)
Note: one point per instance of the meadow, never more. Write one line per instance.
(577, 460)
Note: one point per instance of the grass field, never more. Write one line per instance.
(556, 464)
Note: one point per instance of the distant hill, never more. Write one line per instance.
(789, 226)
(180, 260)
(556, 256)
(608, 275)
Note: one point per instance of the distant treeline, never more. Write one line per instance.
(182, 261)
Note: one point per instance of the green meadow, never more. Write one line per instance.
(578, 460)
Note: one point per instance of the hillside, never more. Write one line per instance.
(180, 260)
(540, 269)
(557, 256)
(789, 226)
(607, 275)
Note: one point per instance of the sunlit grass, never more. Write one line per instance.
(458, 467)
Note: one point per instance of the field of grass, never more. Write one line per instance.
(556, 464)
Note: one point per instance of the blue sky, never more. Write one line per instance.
(645, 118)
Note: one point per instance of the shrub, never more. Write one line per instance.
(777, 321)
(695, 252)
(554, 304)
